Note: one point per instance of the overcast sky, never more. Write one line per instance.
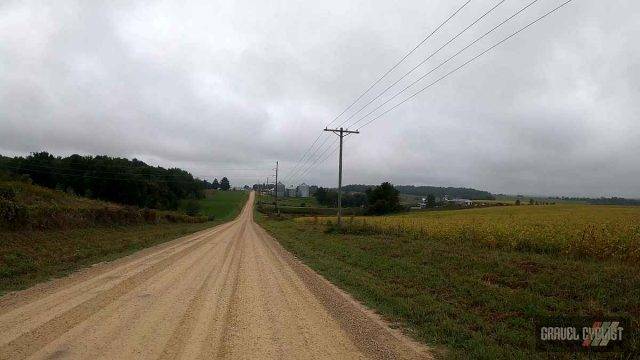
(229, 87)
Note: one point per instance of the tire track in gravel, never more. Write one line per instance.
(229, 292)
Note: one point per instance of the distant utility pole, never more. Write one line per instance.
(276, 188)
(340, 132)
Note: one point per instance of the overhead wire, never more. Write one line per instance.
(309, 149)
(459, 67)
(448, 59)
(477, 20)
(469, 61)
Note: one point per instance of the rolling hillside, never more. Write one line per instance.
(46, 233)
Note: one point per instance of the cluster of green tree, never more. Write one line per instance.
(263, 187)
(329, 197)
(215, 185)
(378, 200)
(120, 180)
(453, 192)
(602, 201)
(383, 199)
(614, 201)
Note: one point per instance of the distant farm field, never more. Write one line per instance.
(289, 201)
(580, 230)
(222, 205)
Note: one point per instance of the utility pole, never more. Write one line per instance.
(276, 188)
(340, 132)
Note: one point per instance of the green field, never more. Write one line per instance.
(470, 293)
(289, 201)
(222, 205)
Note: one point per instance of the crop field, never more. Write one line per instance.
(579, 230)
(470, 283)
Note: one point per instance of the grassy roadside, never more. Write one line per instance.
(467, 300)
(31, 256)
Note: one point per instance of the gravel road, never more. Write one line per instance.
(225, 292)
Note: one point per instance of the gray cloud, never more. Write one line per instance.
(218, 85)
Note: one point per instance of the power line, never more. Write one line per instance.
(458, 68)
(304, 154)
(424, 61)
(448, 59)
(305, 170)
(320, 159)
(400, 61)
(296, 166)
(304, 163)
(317, 159)
(469, 61)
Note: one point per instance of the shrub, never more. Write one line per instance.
(7, 193)
(192, 207)
(12, 215)
(150, 216)
(383, 199)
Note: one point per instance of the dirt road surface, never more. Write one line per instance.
(226, 292)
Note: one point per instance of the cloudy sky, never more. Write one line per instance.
(229, 87)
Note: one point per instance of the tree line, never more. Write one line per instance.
(130, 182)
(381, 199)
(437, 191)
(602, 200)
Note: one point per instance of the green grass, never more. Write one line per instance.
(288, 201)
(464, 298)
(222, 205)
(29, 257)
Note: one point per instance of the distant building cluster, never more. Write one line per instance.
(303, 190)
(445, 200)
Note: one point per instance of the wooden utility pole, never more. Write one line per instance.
(340, 132)
(276, 188)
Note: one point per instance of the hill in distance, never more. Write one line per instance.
(437, 191)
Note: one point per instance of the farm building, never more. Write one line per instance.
(456, 201)
(462, 202)
(303, 190)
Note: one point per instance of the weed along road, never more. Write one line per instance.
(225, 292)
